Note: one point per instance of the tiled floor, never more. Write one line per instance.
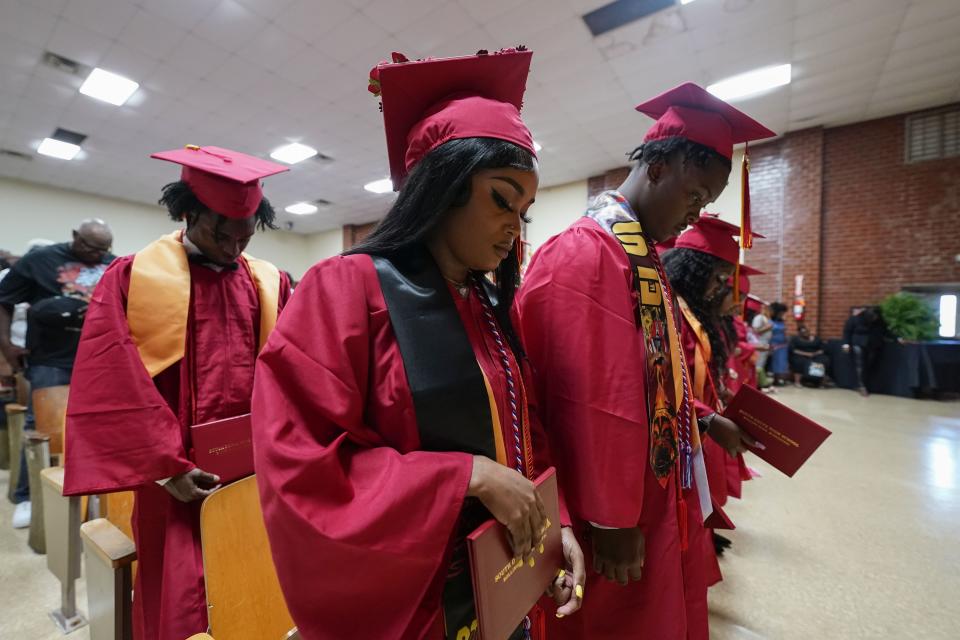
(863, 543)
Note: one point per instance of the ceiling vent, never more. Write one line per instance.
(622, 12)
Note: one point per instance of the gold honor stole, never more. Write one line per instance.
(158, 301)
(703, 354)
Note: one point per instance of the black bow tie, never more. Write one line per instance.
(199, 258)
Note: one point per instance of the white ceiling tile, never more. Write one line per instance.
(268, 9)
(394, 16)
(230, 25)
(842, 15)
(880, 29)
(57, 95)
(905, 58)
(19, 54)
(123, 60)
(485, 11)
(26, 22)
(944, 30)
(927, 11)
(78, 43)
(106, 17)
(186, 13)
(352, 36)
(272, 47)
(152, 35)
(197, 57)
(168, 79)
(447, 20)
(309, 19)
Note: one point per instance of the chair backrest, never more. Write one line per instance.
(50, 414)
(243, 593)
(118, 509)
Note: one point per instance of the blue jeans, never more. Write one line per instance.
(40, 377)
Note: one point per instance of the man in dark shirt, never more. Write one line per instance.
(57, 282)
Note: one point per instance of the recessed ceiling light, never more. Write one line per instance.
(293, 153)
(537, 146)
(301, 208)
(752, 82)
(58, 149)
(108, 87)
(379, 186)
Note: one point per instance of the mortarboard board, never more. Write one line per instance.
(715, 237)
(227, 182)
(429, 102)
(689, 111)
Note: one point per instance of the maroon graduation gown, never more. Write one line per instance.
(360, 519)
(578, 314)
(125, 430)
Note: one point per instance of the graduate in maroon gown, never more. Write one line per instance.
(170, 340)
(390, 407)
(603, 337)
(700, 268)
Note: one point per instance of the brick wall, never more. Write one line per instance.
(841, 207)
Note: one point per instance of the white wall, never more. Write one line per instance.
(555, 209)
(728, 204)
(30, 211)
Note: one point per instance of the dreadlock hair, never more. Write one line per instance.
(662, 150)
(181, 202)
(438, 184)
(690, 273)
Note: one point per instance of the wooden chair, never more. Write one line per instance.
(50, 414)
(37, 449)
(243, 593)
(109, 558)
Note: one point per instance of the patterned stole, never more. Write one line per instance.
(669, 406)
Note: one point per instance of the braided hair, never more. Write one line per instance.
(690, 273)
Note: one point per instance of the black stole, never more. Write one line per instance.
(449, 394)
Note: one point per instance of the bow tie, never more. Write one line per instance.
(199, 258)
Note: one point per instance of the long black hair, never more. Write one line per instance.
(662, 150)
(690, 273)
(180, 202)
(438, 184)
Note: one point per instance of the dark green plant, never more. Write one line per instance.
(909, 317)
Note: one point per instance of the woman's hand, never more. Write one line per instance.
(567, 589)
(195, 484)
(512, 500)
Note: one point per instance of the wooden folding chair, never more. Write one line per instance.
(244, 600)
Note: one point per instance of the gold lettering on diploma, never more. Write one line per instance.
(216, 451)
(768, 430)
(516, 564)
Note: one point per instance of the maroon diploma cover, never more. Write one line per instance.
(505, 588)
(224, 447)
(790, 438)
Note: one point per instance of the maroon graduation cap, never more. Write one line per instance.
(227, 182)
(429, 102)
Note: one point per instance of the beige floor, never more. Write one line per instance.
(862, 543)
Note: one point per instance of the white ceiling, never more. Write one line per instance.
(254, 74)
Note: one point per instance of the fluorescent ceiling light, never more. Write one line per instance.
(537, 146)
(301, 208)
(752, 82)
(379, 186)
(108, 87)
(686, 1)
(58, 149)
(293, 153)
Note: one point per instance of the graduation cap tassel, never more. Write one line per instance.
(746, 231)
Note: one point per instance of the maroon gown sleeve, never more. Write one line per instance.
(359, 530)
(120, 432)
(577, 315)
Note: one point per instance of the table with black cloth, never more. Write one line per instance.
(907, 370)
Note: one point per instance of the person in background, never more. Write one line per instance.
(57, 282)
(863, 341)
(808, 361)
(779, 352)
